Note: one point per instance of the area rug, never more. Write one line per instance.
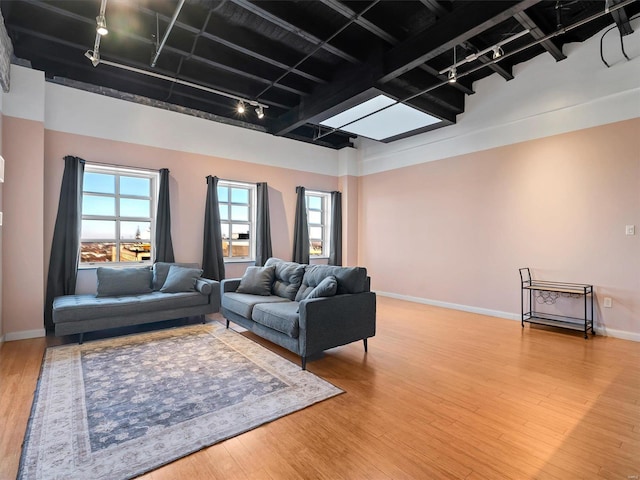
(120, 407)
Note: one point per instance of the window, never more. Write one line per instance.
(118, 210)
(319, 220)
(236, 202)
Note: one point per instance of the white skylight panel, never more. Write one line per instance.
(391, 121)
(358, 111)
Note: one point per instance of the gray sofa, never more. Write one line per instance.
(304, 308)
(133, 296)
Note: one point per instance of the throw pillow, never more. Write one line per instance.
(181, 279)
(161, 270)
(326, 288)
(257, 280)
(123, 281)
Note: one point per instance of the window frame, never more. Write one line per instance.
(325, 213)
(253, 197)
(119, 171)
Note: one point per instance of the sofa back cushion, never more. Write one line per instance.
(161, 270)
(123, 281)
(350, 279)
(288, 277)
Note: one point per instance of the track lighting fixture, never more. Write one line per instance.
(241, 108)
(94, 56)
(101, 25)
(260, 112)
(497, 52)
(453, 75)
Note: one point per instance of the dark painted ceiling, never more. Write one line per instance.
(304, 60)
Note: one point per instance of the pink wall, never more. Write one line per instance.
(187, 188)
(348, 185)
(22, 229)
(457, 230)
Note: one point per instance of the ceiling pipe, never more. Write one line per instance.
(166, 34)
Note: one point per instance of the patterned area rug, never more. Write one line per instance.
(120, 407)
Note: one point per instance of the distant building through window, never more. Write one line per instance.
(236, 201)
(118, 215)
(319, 220)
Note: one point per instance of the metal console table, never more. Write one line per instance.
(549, 291)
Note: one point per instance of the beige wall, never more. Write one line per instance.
(187, 188)
(22, 229)
(457, 230)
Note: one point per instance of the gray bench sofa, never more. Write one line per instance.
(304, 308)
(133, 296)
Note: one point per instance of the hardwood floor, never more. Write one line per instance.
(441, 394)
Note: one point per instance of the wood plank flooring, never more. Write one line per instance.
(441, 394)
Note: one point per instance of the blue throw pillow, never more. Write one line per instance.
(123, 281)
(326, 288)
(181, 279)
(257, 280)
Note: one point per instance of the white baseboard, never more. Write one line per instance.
(25, 334)
(600, 329)
(624, 335)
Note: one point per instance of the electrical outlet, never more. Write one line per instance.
(608, 303)
(630, 229)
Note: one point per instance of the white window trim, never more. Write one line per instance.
(154, 175)
(253, 197)
(326, 214)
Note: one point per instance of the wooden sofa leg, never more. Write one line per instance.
(304, 363)
(204, 319)
(81, 339)
(365, 345)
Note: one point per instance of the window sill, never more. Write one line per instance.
(239, 260)
(94, 266)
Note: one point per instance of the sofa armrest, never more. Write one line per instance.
(205, 286)
(333, 321)
(229, 285)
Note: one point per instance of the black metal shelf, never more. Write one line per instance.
(555, 290)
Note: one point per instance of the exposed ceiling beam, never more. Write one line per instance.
(251, 48)
(527, 22)
(188, 55)
(56, 40)
(262, 13)
(455, 28)
(363, 22)
(461, 25)
(380, 33)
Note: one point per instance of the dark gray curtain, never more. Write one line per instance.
(164, 245)
(263, 225)
(65, 247)
(212, 259)
(335, 255)
(301, 229)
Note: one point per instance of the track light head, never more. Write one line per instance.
(241, 107)
(101, 27)
(93, 56)
(497, 52)
(453, 75)
(260, 112)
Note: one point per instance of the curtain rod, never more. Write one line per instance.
(91, 162)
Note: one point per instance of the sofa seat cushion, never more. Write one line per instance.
(282, 317)
(242, 303)
(73, 308)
